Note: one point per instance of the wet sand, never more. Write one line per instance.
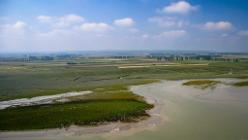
(39, 100)
(180, 113)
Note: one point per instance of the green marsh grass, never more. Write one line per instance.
(201, 83)
(78, 113)
(241, 84)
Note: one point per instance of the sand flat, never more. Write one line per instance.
(39, 100)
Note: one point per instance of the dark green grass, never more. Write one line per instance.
(201, 83)
(63, 115)
(241, 84)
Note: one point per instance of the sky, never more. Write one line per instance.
(78, 25)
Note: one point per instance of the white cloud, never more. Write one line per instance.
(68, 20)
(19, 25)
(167, 22)
(43, 18)
(98, 27)
(72, 18)
(181, 7)
(61, 22)
(173, 34)
(125, 22)
(243, 33)
(14, 35)
(221, 25)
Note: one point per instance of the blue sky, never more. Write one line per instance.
(71, 25)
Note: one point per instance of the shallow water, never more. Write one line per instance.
(190, 113)
(196, 114)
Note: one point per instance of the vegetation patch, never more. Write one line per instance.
(241, 84)
(201, 83)
(78, 113)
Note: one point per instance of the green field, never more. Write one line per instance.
(108, 82)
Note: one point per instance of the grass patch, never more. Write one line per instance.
(241, 84)
(201, 83)
(64, 115)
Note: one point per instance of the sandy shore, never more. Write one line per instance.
(39, 100)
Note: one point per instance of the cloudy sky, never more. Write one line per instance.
(71, 25)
